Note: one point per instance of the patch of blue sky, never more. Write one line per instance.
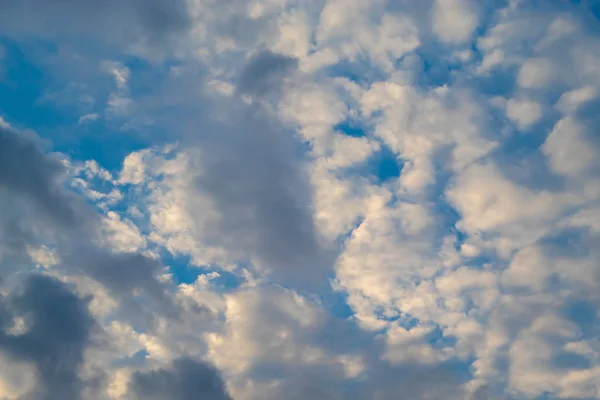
(522, 162)
(382, 167)
(462, 370)
(336, 303)
(567, 243)
(351, 128)
(438, 340)
(21, 88)
(135, 360)
(586, 7)
(447, 216)
(181, 268)
(585, 315)
(145, 75)
(103, 143)
(433, 70)
(406, 320)
(360, 71)
(226, 281)
(185, 272)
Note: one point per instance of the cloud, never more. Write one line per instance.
(30, 173)
(523, 112)
(536, 73)
(58, 331)
(454, 20)
(263, 71)
(84, 119)
(187, 379)
(149, 22)
(469, 269)
(76, 231)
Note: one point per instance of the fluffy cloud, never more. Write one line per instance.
(275, 199)
(454, 21)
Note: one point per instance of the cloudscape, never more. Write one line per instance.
(299, 199)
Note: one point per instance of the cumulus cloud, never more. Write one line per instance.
(332, 199)
(263, 71)
(523, 112)
(568, 150)
(36, 177)
(454, 21)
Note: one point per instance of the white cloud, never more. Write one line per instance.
(120, 73)
(454, 20)
(263, 326)
(43, 256)
(295, 34)
(568, 150)
(523, 112)
(383, 258)
(489, 202)
(570, 101)
(531, 370)
(346, 30)
(134, 167)
(3, 123)
(411, 346)
(122, 234)
(88, 118)
(16, 378)
(536, 73)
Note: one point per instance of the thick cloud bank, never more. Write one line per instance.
(286, 199)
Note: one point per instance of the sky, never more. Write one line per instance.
(290, 199)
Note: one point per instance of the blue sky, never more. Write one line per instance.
(280, 199)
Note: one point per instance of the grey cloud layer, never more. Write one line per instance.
(25, 170)
(113, 21)
(187, 379)
(264, 71)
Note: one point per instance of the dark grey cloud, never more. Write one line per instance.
(32, 199)
(32, 183)
(24, 169)
(131, 278)
(187, 379)
(254, 173)
(59, 329)
(28, 175)
(264, 72)
(118, 22)
(253, 169)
